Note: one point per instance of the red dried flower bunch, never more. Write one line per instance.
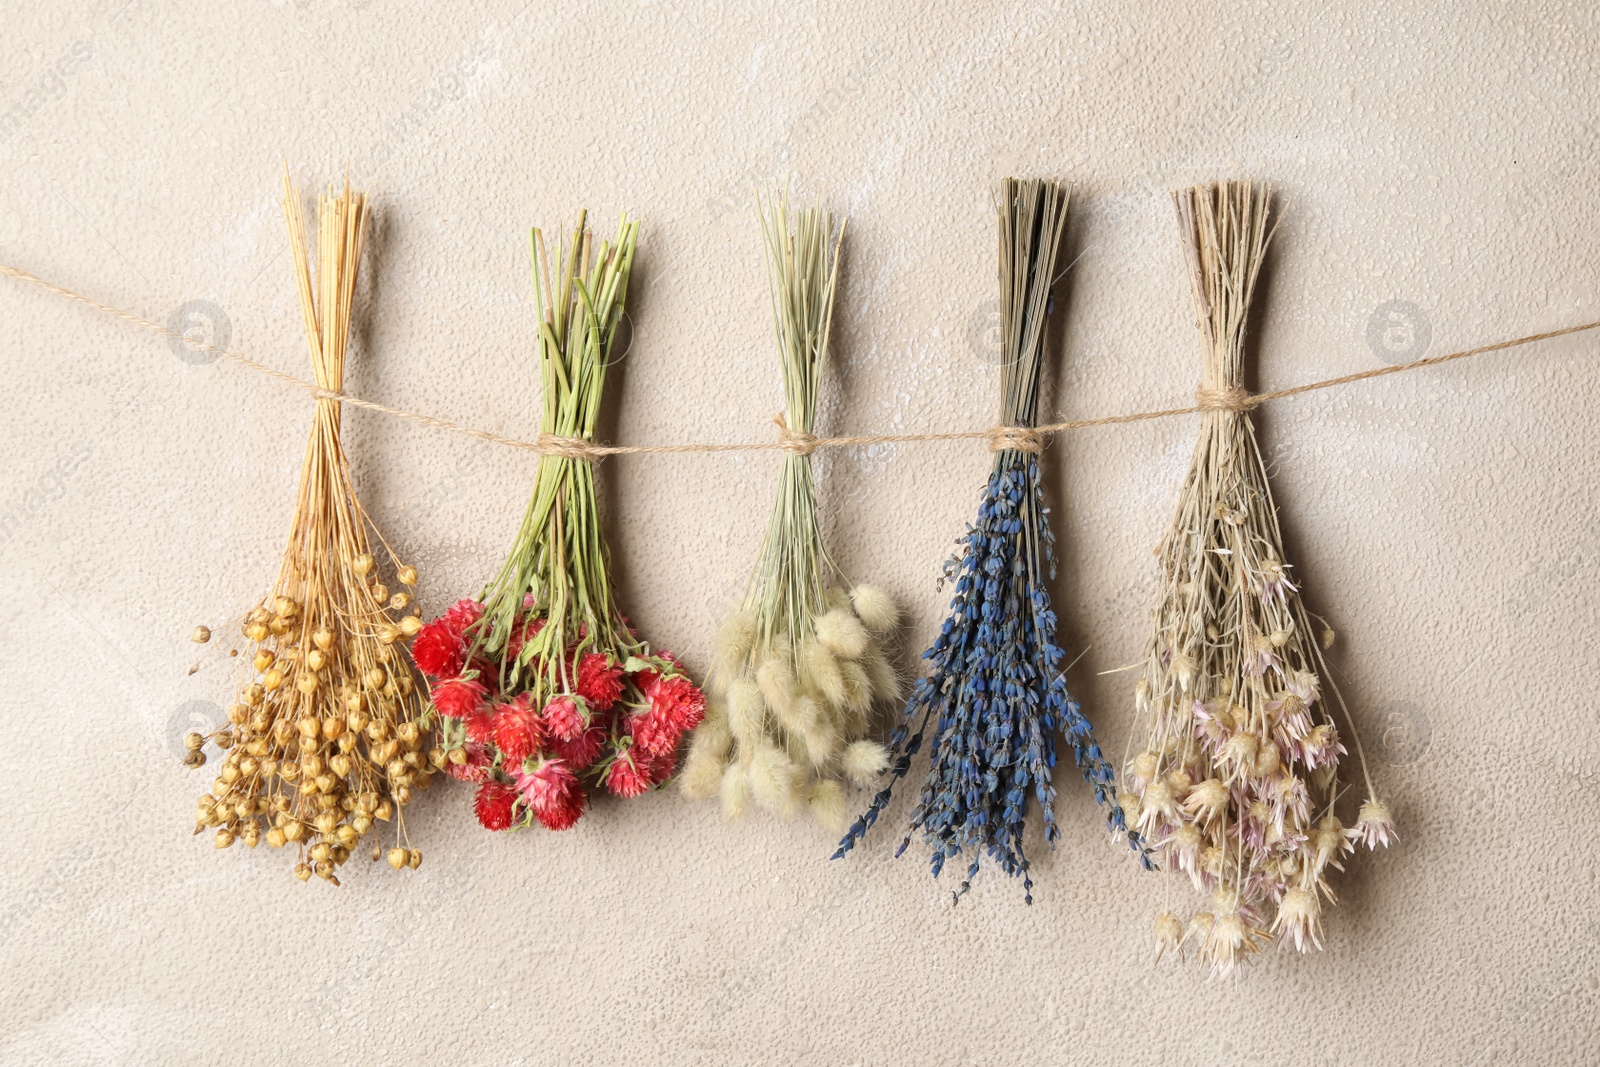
(544, 692)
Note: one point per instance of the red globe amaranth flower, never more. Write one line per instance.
(654, 735)
(480, 725)
(553, 793)
(517, 729)
(663, 767)
(580, 754)
(628, 778)
(475, 769)
(440, 647)
(494, 804)
(564, 719)
(599, 681)
(678, 701)
(458, 697)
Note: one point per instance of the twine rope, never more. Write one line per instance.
(1020, 438)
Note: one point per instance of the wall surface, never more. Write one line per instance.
(1437, 163)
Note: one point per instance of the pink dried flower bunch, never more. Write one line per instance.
(1236, 783)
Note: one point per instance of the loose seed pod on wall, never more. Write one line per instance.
(1237, 778)
(327, 739)
(799, 667)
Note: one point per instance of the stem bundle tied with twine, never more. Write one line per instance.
(798, 664)
(546, 691)
(996, 690)
(328, 737)
(1238, 776)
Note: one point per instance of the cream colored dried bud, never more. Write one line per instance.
(302, 871)
(264, 658)
(253, 694)
(332, 727)
(388, 634)
(306, 683)
(194, 759)
(201, 635)
(256, 631)
(316, 659)
(411, 625)
(841, 633)
(398, 858)
(276, 837)
(223, 839)
(278, 626)
(272, 681)
(363, 564)
(415, 859)
(376, 678)
(874, 607)
(286, 607)
(380, 592)
(407, 575)
(193, 742)
(323, 638)
(1328, 637)
(384, 812)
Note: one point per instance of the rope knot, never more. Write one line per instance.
(550, 444)
(1017, 438)
(794, 442)
(1234, 398)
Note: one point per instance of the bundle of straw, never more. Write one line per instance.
(996, 690)
(798, 664)
(1238, 776)
(327, 738)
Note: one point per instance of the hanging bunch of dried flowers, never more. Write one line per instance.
(544, 689)
(996, 690)
(1238, 777)
(798, 664)
(328, 737)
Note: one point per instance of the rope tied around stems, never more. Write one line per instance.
(795, 442)
(1233, 398)
(550, 444)
(1015, 438)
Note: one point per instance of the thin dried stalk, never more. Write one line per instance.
(1239, 773)
(326, 738)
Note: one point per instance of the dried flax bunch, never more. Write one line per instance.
(327, 738)
(996, 690)
(798, 664)
(1239, 774)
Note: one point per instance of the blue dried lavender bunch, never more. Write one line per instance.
(996, 692)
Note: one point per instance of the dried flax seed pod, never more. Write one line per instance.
(327, 739)
(1237, 779)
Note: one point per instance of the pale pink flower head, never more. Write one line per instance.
(1374, 825)
(1299, 920)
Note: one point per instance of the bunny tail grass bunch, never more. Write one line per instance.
(328, 738)
(996, 691)
(798, 664)
(544, 690)
(1238, 777)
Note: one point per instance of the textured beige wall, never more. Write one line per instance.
(1438, 155)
